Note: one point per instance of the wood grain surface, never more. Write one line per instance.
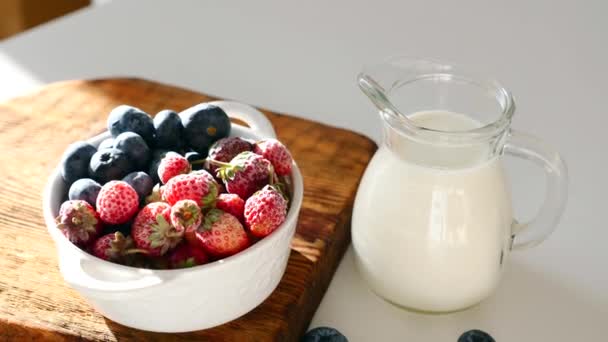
(35, 302)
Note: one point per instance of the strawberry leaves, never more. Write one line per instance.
(121, 247)
(78, 221)
(210, 218)
(227, 171)
(164, 235)
(209, 200)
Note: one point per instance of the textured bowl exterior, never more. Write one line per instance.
(176, 300)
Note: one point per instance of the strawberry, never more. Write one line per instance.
(172, 165)
(206, 175)
(78, 221)
(114, 247)
(195, 186)
(186, 215)
(276, 153)
(193, 238)
(221, 234)
(186, 255)
(225, 149)
(265, 211)
(232, 204)
(117, 202)
(245, 174)
(152, 231)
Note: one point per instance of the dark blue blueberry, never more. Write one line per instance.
(323, 334)
(204, 124)
(197, 158)
(475, 336)
(106, 143)
(157, 155)
(135, 147)
(84, 189)
(169, 130)
(130, 119)
(109, 164)
(75, 161)
(141, 182)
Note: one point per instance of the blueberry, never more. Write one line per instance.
(475, 336)
(203, 125)
(75, 161)
(141, 182)
(135, 147)
(85, 189)
(157, 155)
(323, 334)
(109, 164)
(130, 119)
(106, 143)
(169, 130)
(195, 157)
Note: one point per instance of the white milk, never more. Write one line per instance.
(432, 239)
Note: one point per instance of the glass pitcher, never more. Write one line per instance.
(432, 222)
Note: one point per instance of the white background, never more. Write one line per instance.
(302, 58)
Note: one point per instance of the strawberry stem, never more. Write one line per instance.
(217, 162)
(273, 177)
(135, 251)
(200, 161)
(174, 234)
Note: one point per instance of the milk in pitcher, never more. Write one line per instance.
(434, 238)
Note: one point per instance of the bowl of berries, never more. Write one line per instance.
(175, 223)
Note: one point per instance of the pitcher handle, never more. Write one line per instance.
(529, 147)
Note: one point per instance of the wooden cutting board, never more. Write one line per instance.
(35, 302)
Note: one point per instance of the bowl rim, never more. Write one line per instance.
(292, 215)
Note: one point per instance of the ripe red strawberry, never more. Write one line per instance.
(113, 247)
(245, 174)
(265, 211)
(232, 204)
(276, 153)
(206, 175)
(225, 149)
(78, 221)
(193, 238)
(221, 234)
(186, 255)
(195, 186)
(172, 165)
(152, 231)
(117, 202)
(186, 215)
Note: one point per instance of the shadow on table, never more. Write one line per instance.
(543, 307)
(529, 305)
(532, 305)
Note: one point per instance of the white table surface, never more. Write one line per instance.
(302, 58)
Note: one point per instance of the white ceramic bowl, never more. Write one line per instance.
(186, 299)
